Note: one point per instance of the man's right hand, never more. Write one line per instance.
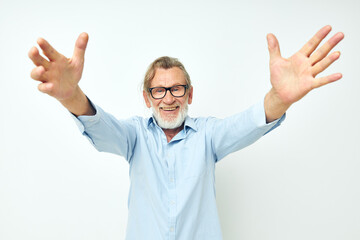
(59, 76)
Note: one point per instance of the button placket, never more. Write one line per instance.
(172, 194)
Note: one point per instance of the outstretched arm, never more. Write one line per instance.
(59, 76)
(293, 78)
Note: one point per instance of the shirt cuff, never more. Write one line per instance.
(85, 121)
(259, 117)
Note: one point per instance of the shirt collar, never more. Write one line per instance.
(189, 123)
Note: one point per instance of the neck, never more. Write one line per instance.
(170, 133)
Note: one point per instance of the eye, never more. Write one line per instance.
(175, 89)
(159, 90)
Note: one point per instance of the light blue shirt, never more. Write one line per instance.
(172, 191)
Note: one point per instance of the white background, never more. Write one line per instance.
(299, 182)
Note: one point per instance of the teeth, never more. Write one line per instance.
(169, 108)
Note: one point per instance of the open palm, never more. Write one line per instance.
(294, 77)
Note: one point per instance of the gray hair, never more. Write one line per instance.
(164, 63)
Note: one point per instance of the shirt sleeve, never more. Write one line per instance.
(108, 134)
(238, 131)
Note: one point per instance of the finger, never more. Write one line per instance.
(37, 59)
(273, 46)
(48, 50)
(325, 63)
(312, 44)
(80, 47)
(326, 48)
(46, 87)
(318, 82)
(38, 73)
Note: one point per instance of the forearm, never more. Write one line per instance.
(78, 104)
(274, 106)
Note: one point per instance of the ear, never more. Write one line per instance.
(190, 95)
(146, 98)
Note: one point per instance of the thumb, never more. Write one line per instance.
(273, 46)
(80, 47)
(46, 87)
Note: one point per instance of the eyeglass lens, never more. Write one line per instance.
(160, 92)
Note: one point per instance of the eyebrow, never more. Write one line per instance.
(176, 84)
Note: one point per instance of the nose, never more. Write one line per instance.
(169, 98)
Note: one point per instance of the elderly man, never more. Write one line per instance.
(172, 156)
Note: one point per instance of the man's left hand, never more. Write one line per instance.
(293, 78)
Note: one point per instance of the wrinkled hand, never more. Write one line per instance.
(294, 77)
(59, 76)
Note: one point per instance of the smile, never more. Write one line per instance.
(169, 108)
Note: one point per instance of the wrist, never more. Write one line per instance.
(76, 96)
(274, 106)
(78, 103)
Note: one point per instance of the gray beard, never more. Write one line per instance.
(175, 123)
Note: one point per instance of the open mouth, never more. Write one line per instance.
(169, 109)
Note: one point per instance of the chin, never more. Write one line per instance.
(173, 122)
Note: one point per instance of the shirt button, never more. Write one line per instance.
(171, 229)
(172, 202)
(171, 179)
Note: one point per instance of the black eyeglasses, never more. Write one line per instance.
(160, 92)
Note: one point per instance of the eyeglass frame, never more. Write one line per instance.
(168, 89)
